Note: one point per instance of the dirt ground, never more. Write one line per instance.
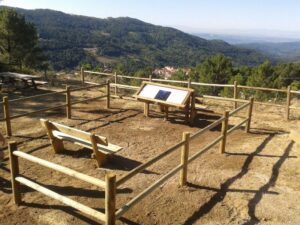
(255, 182)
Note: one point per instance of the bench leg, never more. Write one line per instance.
(100, 158)
(57, 145)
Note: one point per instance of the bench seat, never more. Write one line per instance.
(109, 149)
(58, 133)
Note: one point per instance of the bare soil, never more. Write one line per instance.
(255, 182)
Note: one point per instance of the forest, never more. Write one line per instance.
(138, 47)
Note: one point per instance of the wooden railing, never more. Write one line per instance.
(17, 179)
(68, 103)
(236, 89)
(185, 160)
(110, 184)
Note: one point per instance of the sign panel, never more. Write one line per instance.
(164, 93)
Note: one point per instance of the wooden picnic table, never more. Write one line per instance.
(12, 78)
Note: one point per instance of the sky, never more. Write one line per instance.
(218, 16)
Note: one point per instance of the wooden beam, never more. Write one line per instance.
(108, 94)
(224, 132)
(61, 169)
(249, 116)
(288, 102)
(184, 158)
(7, 116)
(82, 75)
(110, 199)
(146, 109)
(67, 201)
(235, 93)
(68, 103)
(14, 171)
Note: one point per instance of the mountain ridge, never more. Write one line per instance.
(130, 42)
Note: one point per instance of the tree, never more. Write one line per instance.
(18, 40)
(215, 69)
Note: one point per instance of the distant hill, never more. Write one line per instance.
(69, 40)
(286, 51)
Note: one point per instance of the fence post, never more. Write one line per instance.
(110, 199)
(235, 93)
(116, 77)
(250, 109)
(224, 132)
(288, 102)
(68, 103)
(7, 116)
(14, 171)
(189, 83)
(150, 78)
(184, 158)
(146, 109)
(82, 75)
(108, 94)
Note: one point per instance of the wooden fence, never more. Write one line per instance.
(17, 179)
(236, 89)
(111, 183)
(68, 103)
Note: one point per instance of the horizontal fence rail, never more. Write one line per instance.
(17, 179)
(236, 89)
(184, 155)
(68, 103)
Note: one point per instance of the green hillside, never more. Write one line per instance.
(69, 40)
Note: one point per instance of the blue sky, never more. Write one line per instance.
(190, 15)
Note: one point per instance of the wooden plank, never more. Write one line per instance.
(239, 109)
(68, 103)
(288, 103)
(67, 201)
(224, 132)
(7, 116)
(61, 169)
(107, 149)
(235, 93)
(249, 115)
(236, 126)
(108, 94)
(261, 88)
(184, 159)
(77, 133)
(14, 171)
(37, 96)
(164, 178)
(94, 85)
(38, 111)
(143, 166)
(110, 199)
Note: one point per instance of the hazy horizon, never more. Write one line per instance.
(273, 18)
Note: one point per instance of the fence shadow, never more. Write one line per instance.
(224, 187)
(252, 204)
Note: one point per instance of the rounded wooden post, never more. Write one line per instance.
(146, 109)
(68, 103)
(184, 158)
(288, 102)
(116, 77)
(150, 78)
(250, 109)
(82, 75)
(14, 170)
(108, 94)
(7, 116)
(235, 93)
(189, 83)
(110, 199)
(224, 132)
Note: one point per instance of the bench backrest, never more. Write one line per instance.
(50, 126)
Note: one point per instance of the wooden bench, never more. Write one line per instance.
(58, 133)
